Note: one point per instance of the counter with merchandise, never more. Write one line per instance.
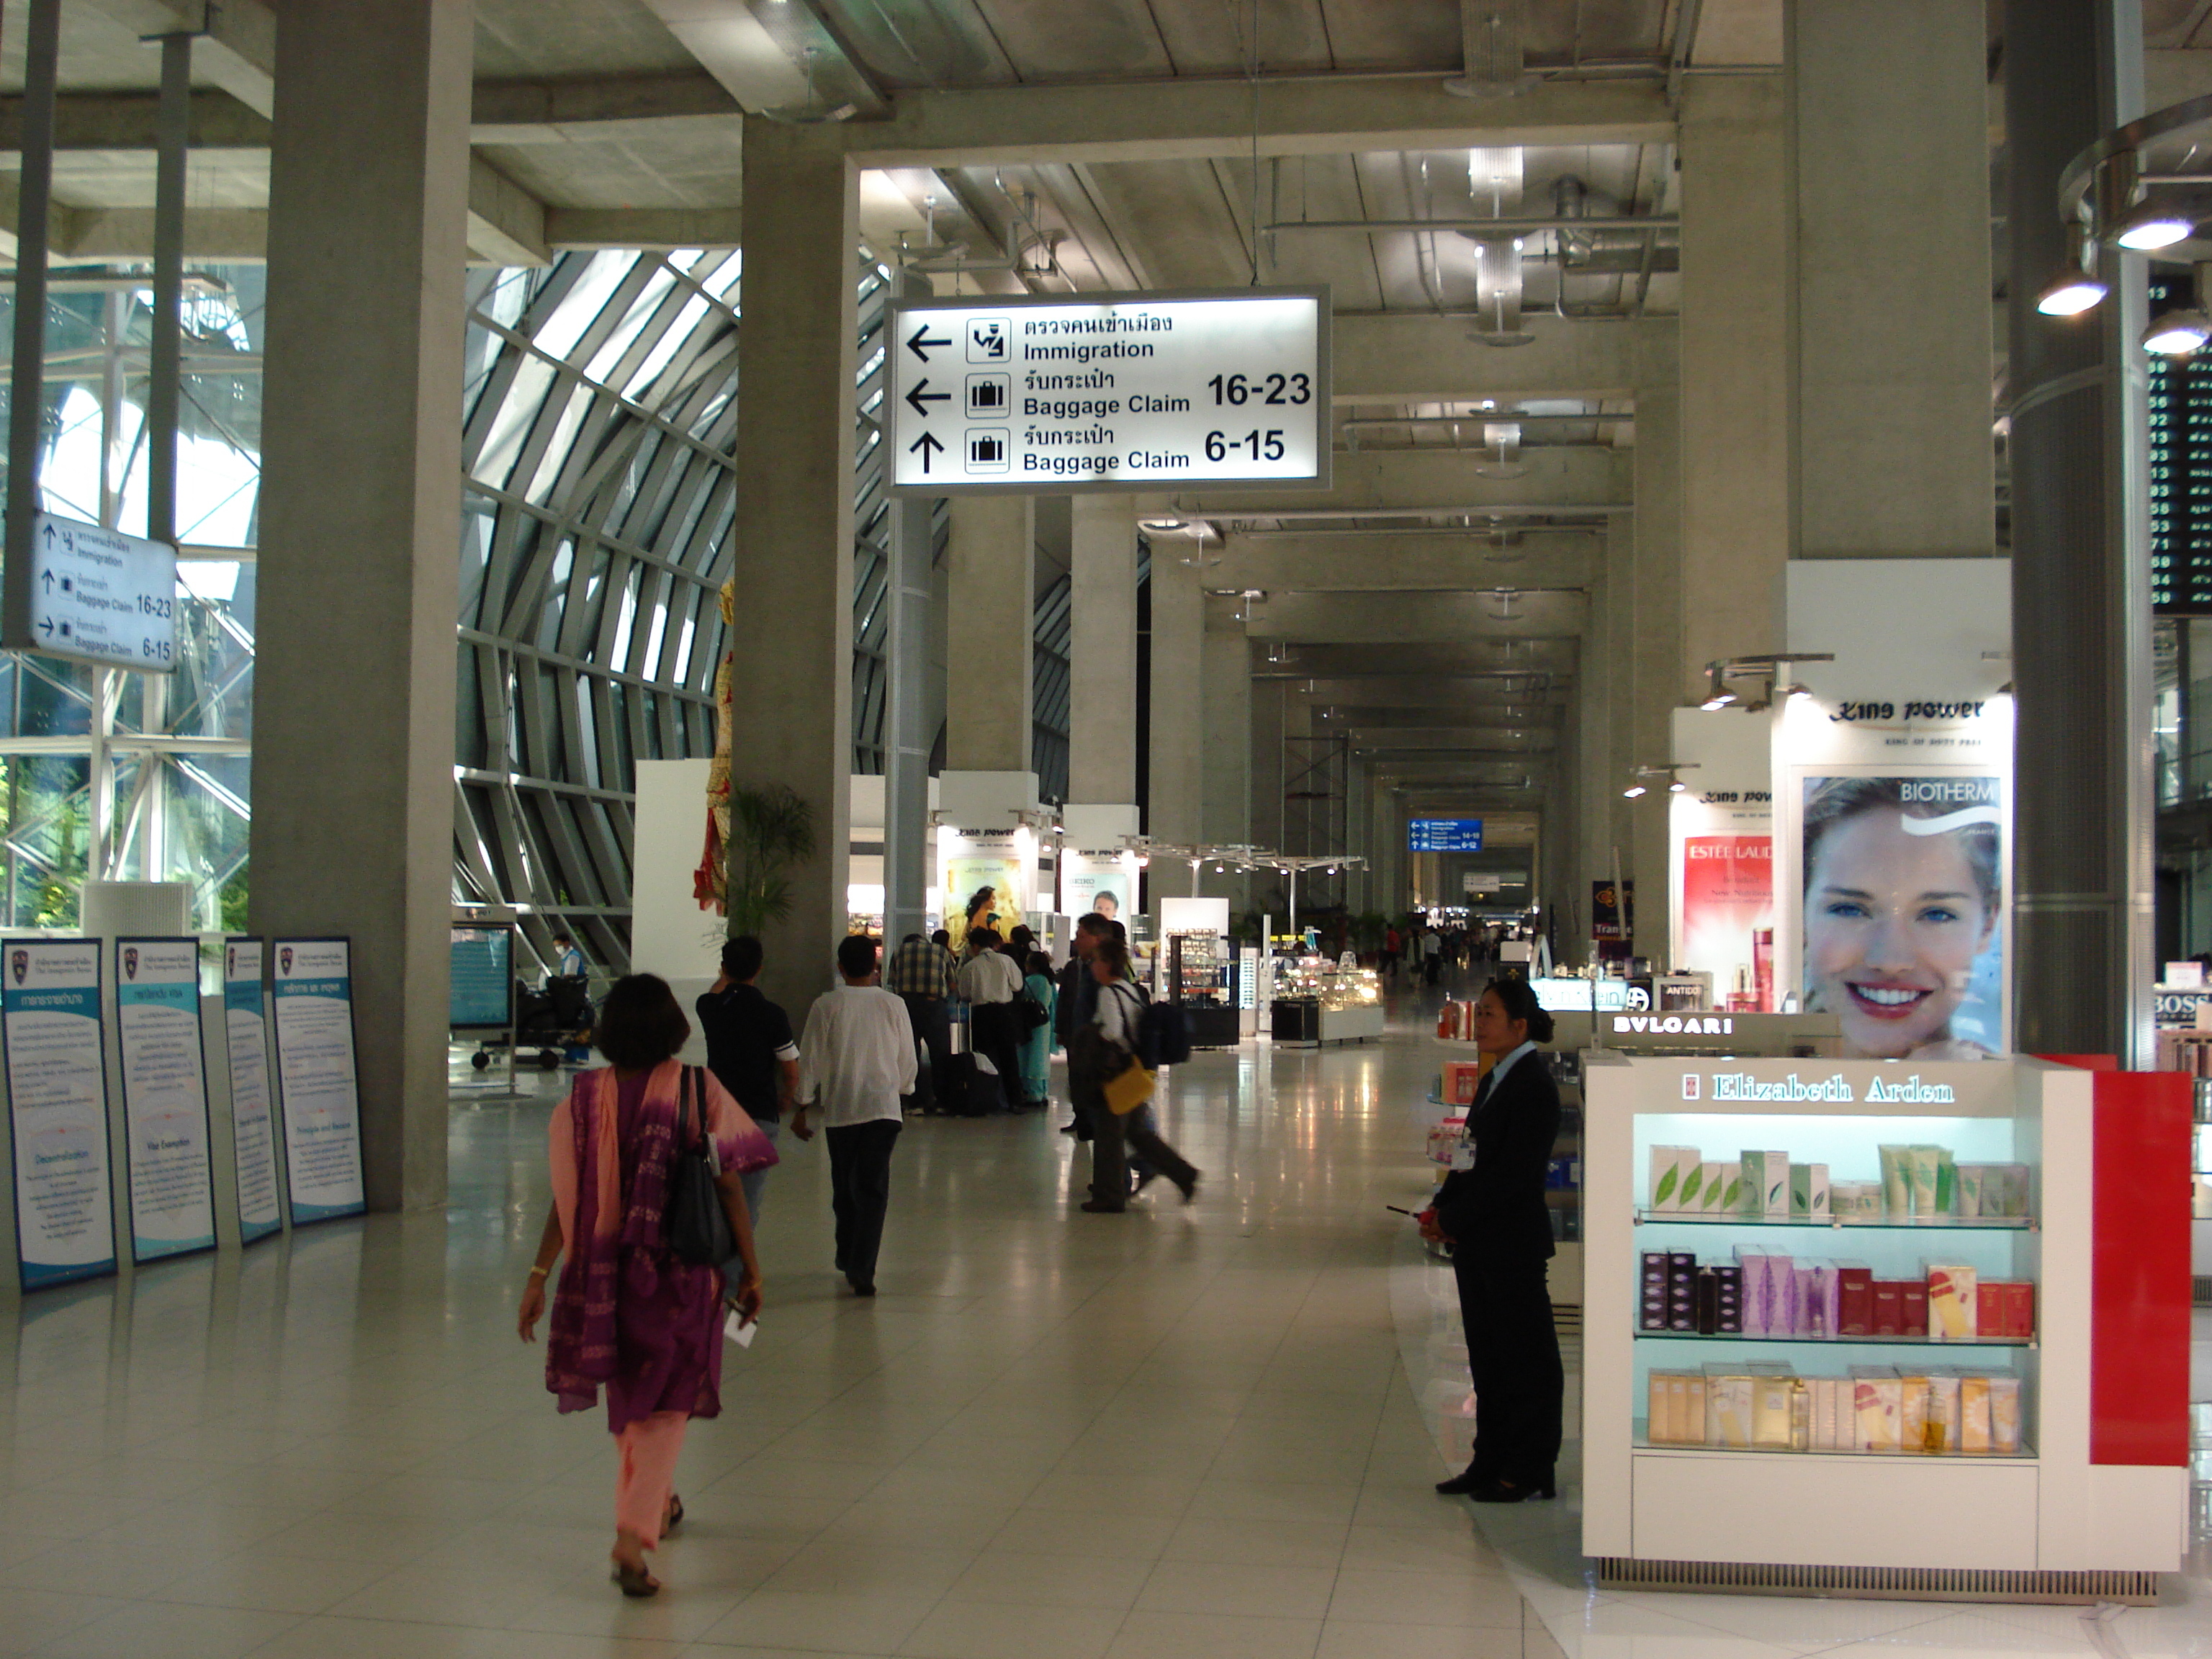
(1317, 1001)
(1860, 1326)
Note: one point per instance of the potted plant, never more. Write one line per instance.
(771, 829)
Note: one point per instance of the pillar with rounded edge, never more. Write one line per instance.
(791, 677)
(1654, 656)
(1102, 704)
(360, 467)
(1175, 811)
(1225, 787)
(988, 779)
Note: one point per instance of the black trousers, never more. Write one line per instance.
(1513, 1350)
(933, 1025)
(1112, 1138)
(992, 1025)
(859, 1192)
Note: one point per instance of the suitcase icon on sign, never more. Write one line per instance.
(990, 397)
(987, 449)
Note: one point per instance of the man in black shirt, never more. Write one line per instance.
(748, 1048)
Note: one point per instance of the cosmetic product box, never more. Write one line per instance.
(1651, 1295)
(1709, 1302)
(1728, 1300)
(1810, 1198)
(1888, 1302)
(1670, 1165)
(1712, 1186)
(1767, 1184)
(1771, 1411)
(1914, 1293)
(1854, 1299)
(1461, 1079)
(1974, 1415)
(1728, 1410)
(1878, 1408)
(1951, 1309)
(1912, 1406)
(1681, 1290)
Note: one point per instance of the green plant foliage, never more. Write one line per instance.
(771, 829)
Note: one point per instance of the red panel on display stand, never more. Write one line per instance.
(2085, 1062)
(2139, 1269)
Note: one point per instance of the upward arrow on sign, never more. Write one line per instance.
(925, 446)
(923, 338)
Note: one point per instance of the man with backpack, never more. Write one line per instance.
(1116, 1038)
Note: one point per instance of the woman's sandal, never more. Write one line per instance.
(675, 1517)
(635, 1582)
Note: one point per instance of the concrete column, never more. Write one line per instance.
(1178, 697)
(352, 704)
(792, 682)
(1890, 199)
(992, 557)
(1359, 838)
(1269, 698)
(1102, 714)
(1734, 380)
(1225, 740)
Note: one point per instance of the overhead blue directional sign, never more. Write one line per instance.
(1443, 836)
(98, 596)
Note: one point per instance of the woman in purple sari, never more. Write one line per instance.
(628, 1314)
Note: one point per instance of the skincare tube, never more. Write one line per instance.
(1896, 1186)
(1946, 1182)
(1923, 1177)
(1970, 1188)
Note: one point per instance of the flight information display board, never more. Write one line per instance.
(2180, 471)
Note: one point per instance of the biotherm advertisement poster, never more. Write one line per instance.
(985, 881)
(1902, 920)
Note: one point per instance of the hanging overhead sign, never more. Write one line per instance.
(94, 595)
(1054, 393)
(1443, 834)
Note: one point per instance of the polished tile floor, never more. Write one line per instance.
(1203, 1430)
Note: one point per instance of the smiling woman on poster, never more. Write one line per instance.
(1903, 887)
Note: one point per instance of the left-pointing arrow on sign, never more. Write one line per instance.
(920, 398)
(925, 446)
(923, 338)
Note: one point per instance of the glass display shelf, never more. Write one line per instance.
(1642, 1441)
(1841, 1341)
(1934, 1223)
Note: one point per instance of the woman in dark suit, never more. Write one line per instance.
(1491, 1209)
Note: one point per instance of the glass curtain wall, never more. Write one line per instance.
(124, 775)
(596, 505)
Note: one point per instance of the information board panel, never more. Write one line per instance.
(252, 1112)
(51, 1034)
(1443, 834)
(96, 595)
(1054, 393)
(165, 1101)
(317, 1086)
(482, 998)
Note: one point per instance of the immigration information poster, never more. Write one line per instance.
(252, 1112)
(50, 1031)
(164, 1106)
(317, 1084)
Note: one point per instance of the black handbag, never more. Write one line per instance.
(698, 1225)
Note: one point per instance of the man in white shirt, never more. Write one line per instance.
(989, 982)
(856, 1059)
